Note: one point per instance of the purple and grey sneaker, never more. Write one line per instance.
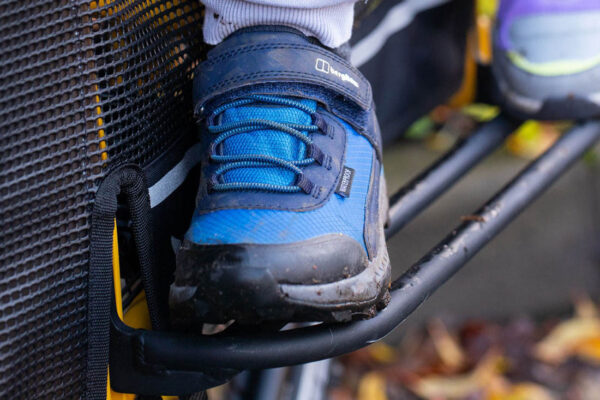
(547, 57)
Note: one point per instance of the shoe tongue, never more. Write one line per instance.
(266, 141)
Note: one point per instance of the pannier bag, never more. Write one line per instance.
(96, 130)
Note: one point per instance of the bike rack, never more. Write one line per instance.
(156, 362)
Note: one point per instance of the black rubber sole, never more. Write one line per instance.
(527, 103)
(253, 295)
(571, 108)
(225, 289)
(193, 312)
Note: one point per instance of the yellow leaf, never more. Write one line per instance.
(585, 307)
(382, 352)
(532, 138)
(372, 387)
(446, 387)
(589, 350)
(484, 376)
(523, 391)
(564, 340)
(446, 345)
(481, 112)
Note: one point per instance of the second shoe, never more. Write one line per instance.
(547, 58)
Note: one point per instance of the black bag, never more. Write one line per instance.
(413, 54)
(97, 89)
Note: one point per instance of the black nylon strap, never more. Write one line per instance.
(130, 181)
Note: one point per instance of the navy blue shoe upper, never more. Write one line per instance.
(291, 145)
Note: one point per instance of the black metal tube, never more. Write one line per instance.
(420, 192)
(411, 289)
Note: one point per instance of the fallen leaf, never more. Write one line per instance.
(565, 339)
(585, 307)
(532, 138)
(372, 387)
(382, 353)
(588, 350)
(523, 391)
(446, 345)
(481, 112)
(461, 386)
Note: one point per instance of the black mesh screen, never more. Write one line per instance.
(84, 86)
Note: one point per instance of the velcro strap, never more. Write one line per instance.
(256, 57)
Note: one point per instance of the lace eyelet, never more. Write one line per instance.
(320, 122)
(328, 163)
(305, 184)
(315, 153)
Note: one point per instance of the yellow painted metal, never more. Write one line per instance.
(485, 15)
(136, 315)
(483, 25)
(466, 93)
(111, 394)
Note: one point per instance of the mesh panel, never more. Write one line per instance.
(83, 86)
(265, 141)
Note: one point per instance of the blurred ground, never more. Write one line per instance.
(532, 268)
(521, 359)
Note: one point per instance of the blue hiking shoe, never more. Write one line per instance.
(292, 201)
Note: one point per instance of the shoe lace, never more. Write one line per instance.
(231, 162)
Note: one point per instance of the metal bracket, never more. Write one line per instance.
(174, 363)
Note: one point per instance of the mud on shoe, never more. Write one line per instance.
(292, 200)
(547, 58)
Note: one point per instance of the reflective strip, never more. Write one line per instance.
(554, 68)
(397, 18)
(313, 379)
(175, 177)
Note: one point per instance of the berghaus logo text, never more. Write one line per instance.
(325, 67)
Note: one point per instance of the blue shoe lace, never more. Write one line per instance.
(237, 161)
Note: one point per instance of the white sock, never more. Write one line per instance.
(330, 21)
